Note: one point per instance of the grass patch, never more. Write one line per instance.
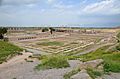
(73, 57)
(99, 53)
(53, 61)
(112, 62)
(51, 43)
(71, 73)
(93, 73)
(111, 59)
(7, 49)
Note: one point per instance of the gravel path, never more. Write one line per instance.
(25, 70)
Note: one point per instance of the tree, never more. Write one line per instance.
(51, 30)
(48, 29)
(2, 32)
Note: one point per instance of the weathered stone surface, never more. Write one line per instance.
(100, 68)
(99, 78)
(93, 63)
(74, 63)
(112, 76)
(81, 75)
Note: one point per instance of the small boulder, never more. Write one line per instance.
(99, 78)
(81, 75)
(93, 63)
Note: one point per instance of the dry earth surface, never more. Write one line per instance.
(18, 68)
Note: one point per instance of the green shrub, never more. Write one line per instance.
(73, 57)
(52, 61)
(112, 62)
(93, 73)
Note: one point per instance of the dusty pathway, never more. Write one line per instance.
(25, 70)
(16, 59)
(18, 68)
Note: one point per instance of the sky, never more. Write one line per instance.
(60, 12)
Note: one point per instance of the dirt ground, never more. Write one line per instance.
(69, 40)
(73, 43)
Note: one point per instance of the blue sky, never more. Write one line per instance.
(60, 12)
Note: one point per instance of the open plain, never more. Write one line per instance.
(70, 43)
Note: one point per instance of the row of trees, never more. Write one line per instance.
(48, 29)
(2, 32)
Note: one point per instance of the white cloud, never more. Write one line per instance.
(104, 7)
(58, 12)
